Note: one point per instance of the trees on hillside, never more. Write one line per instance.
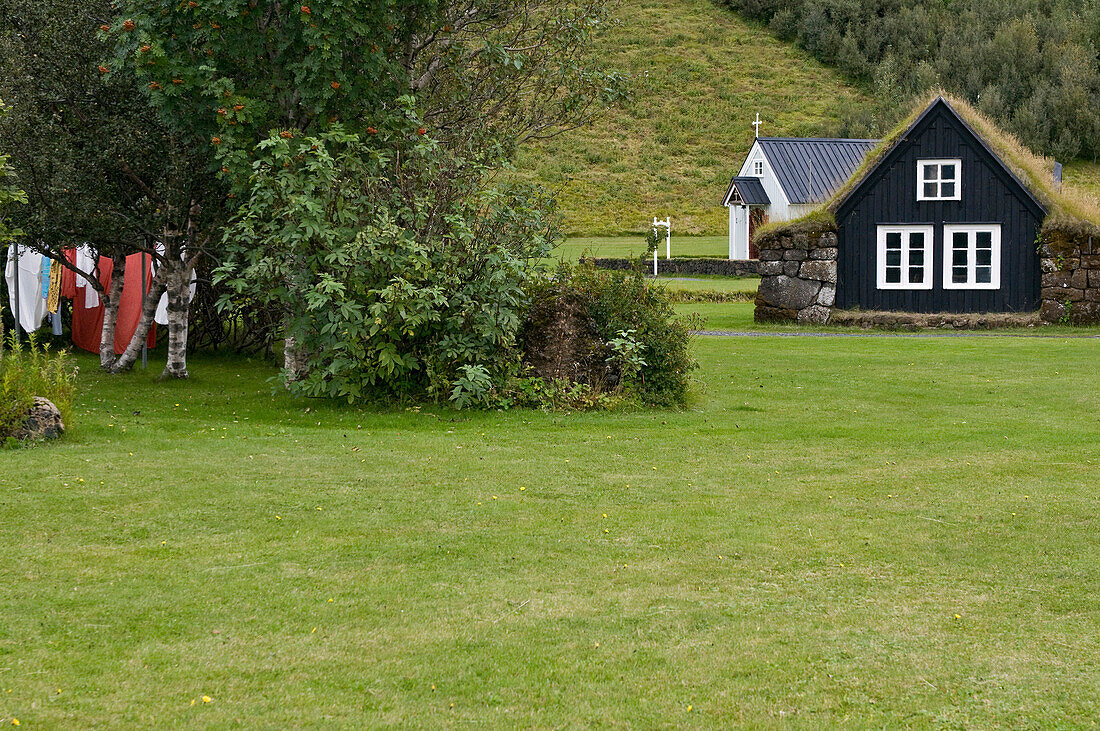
(100, 165)
(1033, 65)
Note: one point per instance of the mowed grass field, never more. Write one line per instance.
(700, 76)
(866, 532)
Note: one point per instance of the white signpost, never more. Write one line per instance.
(667, 223)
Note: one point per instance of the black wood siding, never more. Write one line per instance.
(990, 194)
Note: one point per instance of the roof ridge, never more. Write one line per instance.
(818, 139)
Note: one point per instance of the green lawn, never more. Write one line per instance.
(866, 532)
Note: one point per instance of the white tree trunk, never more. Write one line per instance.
(179, 306)
(148, 311)
(111, 300)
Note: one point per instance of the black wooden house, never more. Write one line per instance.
(938, 224)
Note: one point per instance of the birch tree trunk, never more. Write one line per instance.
(179, 305)
(141, 334)
(112, 298)
(295, 360)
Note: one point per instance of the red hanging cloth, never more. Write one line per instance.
(88, 321)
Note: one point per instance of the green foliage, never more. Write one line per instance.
(9, 193)
(472, 387)
(1032, 65)
(558, 394)
(232, 71)
(28, 370)
(397, 268)
(359, 138)
(626, 354)
(106, 169)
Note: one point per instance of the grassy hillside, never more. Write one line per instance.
(701, 74)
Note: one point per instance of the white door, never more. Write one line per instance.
(739, 232)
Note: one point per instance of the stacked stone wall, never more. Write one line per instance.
(797, 277)
(720, 267)
(1071, 278)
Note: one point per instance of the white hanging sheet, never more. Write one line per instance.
(86, 261)
(32, 305)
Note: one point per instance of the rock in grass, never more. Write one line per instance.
(43, 421)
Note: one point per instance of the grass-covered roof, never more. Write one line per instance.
(1067, 207)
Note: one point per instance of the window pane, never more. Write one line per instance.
(916, 257)
(931, 172)
(958, 258)
(958, 275)
(960, 240)
(930, 190)
(893, 240)
(947, 172)
(893, 258)
(947, 190)
(983, 240)
(916, 240)
(916, 275)
(983, 257)
(893, 275)
(983, 275)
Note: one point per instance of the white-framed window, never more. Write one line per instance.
(939, 180)
(904, 257)
(758, 168)
(972, 256)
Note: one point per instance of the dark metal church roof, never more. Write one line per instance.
(750, 191)
(811, 170)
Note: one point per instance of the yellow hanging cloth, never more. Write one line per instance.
(53, 297)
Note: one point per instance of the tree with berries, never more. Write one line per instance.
(359, 141)
(100, 165)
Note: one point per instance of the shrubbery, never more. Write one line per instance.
(398, 271)
(593, 337)
(28, 370)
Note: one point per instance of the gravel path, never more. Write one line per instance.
(879, 334)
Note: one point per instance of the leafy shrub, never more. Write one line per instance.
(614, 333)
(399, 276)
(29, 370)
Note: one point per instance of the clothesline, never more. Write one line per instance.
(36, 286)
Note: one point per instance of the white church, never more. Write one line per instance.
(784, 178)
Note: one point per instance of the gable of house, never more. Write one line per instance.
(938, 224)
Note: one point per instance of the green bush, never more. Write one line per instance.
(394, 286)
(615, 333)
(29, 370)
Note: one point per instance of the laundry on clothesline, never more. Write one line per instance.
(25, 268)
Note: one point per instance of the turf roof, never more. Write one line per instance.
(1066, 205)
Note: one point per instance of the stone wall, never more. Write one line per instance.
(1071, 278)
(721, 267)
(797, 277)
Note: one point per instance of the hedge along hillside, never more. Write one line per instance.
(700, 74)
